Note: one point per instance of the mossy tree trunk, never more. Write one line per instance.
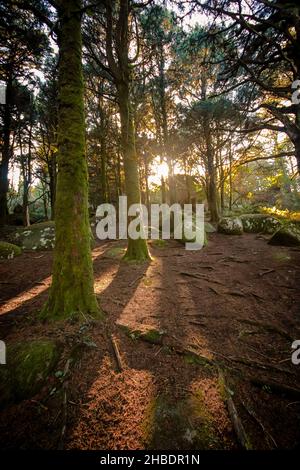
(117, 50)
(212, 192)
(137, 250)
(72, 292)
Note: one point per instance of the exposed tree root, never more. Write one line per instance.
(275, 387)
(268, 327)
(269, 438)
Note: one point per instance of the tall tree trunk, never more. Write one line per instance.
(212, 195)
(72, 291)
(103, 172)
(165, 131)
(52, 167)
(137, 249)
(147, 183)
(6, 152)
(45, 202)
(230, 177)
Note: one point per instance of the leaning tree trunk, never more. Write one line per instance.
(72, 292)
(137, 250)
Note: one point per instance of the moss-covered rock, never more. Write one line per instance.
(8, 250)
(259, 223)
(192, 357)
(287, 236)
(36, 237)
(184, 424)
(144, 332)
(230, 226)
(28, 366)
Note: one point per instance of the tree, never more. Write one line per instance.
(46, 133)
(22, 44)
(115, 64)
(262, 49)
(159, 29)
(72, 292)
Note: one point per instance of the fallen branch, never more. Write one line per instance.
(268, 271)
(117, 353)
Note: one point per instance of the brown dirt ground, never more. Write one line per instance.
(242, 311)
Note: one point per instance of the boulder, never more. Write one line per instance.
(286, 236)
(259, 223)
(230, 226)
(27, 368)
(36, 237)
(8, 250)
(143, 332)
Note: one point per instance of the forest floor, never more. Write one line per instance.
(219, 374)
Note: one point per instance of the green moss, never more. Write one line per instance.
(222, 387)
(72, 291)
(148, 334)
(160, 243)
(42, 225)
(152, 336)
(281, 256)
(206, 435)
(184, 424)
(8, 250)
(116, 252)
(137, 251)
(28, 366)
(259, 223)
(230, 226)
(193, 358)
(287, 235)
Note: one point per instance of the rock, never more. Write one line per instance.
(144, 332)
(36, 237)
(230, 226)
(259, 223)
(8, 250)
(186, 423)
(28, 366)
(286, 236)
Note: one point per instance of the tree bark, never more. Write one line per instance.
(72, 293)
(6, 152)
(137, 250)
(212, 196)
(52, 168)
